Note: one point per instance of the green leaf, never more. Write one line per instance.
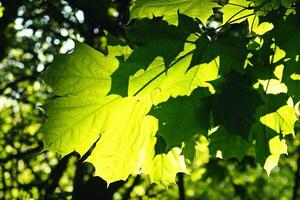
(265, 6)
(182, 118)
(72, 119)
(277, 147)
(67, 76)
(116, 46)
(278, 113)
(291, 78)
(165, 166)
(126, 142)
(276, 118)
(268, 146)
(231, 146)
(287, 33)
(156, 38)
(258, 27)
(230, 49)
(237, 11)
(153, 38)
(234, 107)
(201, 9)
(1, 11)
(84, 90)
(282, 120)
(261, 134)
(162, 84)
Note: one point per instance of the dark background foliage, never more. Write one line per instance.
(31, 33)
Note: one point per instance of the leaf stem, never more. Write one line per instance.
(162, 72)
(226, 23)
(246, 7)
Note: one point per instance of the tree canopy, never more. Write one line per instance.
(136, 94)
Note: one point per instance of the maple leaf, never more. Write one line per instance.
(182, 118)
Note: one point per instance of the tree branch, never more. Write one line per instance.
(181, 188)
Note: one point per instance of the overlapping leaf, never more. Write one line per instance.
(234, 107)
(286, 33)
(111, 98)
(85, 112)
(237, 11)
(231, 50)
(153, 38)
(182, 118)
(234, 147)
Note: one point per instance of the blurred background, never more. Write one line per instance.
(31, 33)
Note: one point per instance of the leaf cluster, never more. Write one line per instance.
(227, 71)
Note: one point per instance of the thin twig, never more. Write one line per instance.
(162, 72)
(181, 188)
